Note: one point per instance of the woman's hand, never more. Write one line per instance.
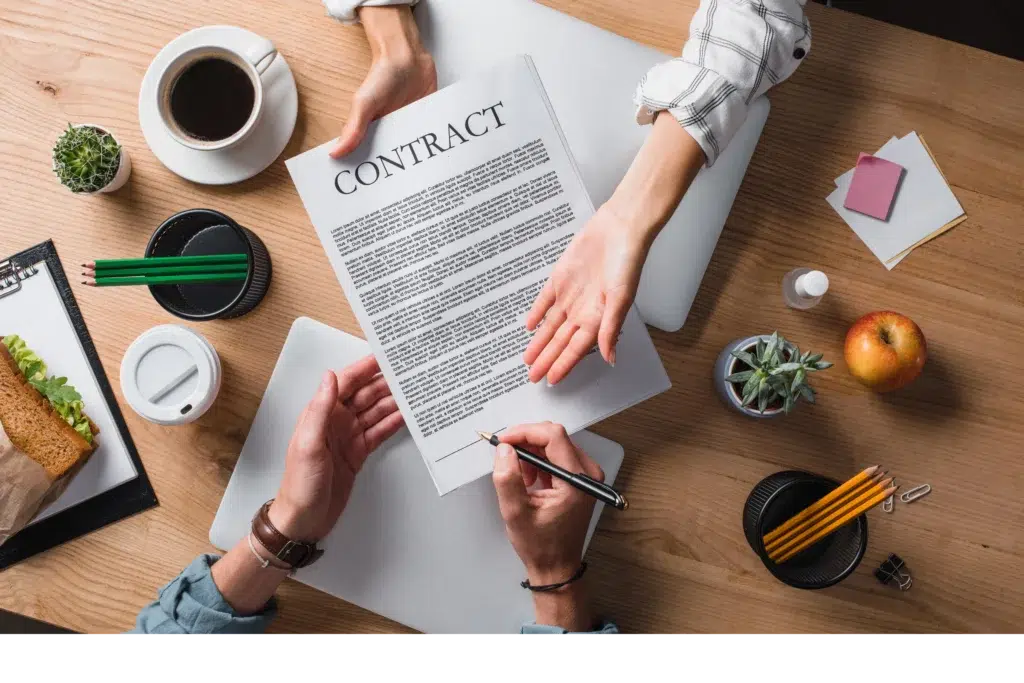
(547, 524)
(402, 72)
(352, 413)
(587, 297)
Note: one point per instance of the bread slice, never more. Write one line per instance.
(33, 425)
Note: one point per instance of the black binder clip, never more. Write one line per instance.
(894, 570)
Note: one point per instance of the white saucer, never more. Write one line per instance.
(263, 145)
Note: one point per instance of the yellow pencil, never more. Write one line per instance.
(853, 493)
(842, 521)
(865, 495)
(802, 516)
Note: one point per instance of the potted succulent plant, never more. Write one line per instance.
(765, 376)
(87, 159)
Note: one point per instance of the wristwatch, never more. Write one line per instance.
(295, 554)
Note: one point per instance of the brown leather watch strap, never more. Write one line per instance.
(296, 554)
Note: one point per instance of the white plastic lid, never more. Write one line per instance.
(814, 283)
(170, 375)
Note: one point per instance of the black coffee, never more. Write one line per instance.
(212, 99)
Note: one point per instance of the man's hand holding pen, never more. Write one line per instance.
(546, 519)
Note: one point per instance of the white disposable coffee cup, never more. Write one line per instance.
(170, 375)
(254, 61)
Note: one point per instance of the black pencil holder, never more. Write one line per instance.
(780, 496)
(202, 232)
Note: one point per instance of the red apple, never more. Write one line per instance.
(885, 350)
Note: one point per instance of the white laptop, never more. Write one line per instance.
(590, 75)
(437, 564)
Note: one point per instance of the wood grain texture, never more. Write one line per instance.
(677, 561)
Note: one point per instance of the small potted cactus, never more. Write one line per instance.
(765, 376)
(87, 160)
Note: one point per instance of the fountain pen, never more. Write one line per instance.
(598, 489)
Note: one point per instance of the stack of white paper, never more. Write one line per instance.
(924, 207)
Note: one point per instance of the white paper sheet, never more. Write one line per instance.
(843, 186)
(431, 293)
(37, 315)
(923, 204)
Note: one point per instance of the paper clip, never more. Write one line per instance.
(887, 504)
(915, 493)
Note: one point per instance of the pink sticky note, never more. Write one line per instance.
(873, 186)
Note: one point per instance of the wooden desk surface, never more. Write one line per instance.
(677, 561)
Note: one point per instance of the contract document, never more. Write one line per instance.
(442, 227)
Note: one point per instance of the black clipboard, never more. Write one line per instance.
(110, 506)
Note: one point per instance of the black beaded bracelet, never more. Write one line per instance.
(555, 586)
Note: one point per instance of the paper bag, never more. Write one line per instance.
(25, 487)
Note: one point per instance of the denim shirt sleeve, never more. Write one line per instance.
(534, 631)
(192, 603)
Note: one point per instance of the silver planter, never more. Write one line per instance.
(724, 368)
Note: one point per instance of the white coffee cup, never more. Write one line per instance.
(254, 61)
(170, 375)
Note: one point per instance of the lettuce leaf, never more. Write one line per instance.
(65, 399)
(31, 365)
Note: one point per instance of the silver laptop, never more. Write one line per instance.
(440, 565)
(590, 75)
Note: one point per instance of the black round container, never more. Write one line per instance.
(780, 496)
(201, 232)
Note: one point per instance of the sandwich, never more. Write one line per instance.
(43, 416)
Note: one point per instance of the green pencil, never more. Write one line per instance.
(165, 280)
(105, 264)
(170, 270)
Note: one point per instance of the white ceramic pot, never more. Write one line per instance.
(124, 167)
(724, 367)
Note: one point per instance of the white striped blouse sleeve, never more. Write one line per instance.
(737, 50)
(345, 10)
